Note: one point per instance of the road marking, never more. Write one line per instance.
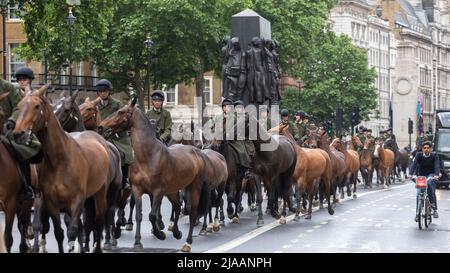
(287, 246)
(294, 241)
(324, 223)
(316, 226)
(310, 230)
(258, 231)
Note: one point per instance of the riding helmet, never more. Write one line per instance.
(284, 112)
(227, 102)
(104, 84)
(25, 72)
(158, 95)
(305, 115)
(239, 102)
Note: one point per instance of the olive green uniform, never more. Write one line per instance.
(163, 121)
(122, 140)
(9, 106)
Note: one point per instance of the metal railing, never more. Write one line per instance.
(61, 82)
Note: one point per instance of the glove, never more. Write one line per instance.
(8, 126)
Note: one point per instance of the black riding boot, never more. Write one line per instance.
(25, 171)
(125, 182)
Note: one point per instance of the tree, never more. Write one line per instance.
(337, 74)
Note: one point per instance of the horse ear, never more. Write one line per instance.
(133, 102)
(97, 101)
(74, 95)
(3, 96)
(41, 91)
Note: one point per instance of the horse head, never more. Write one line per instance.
(34, 113)
(66, 110)
(119, 121)
(2, 114)
(89, 113)
(313, 138)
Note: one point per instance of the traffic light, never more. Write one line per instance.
(354, 116)
(410, 126)
(339, 120)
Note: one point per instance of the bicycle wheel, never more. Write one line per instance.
(419, 213)
(427, 212)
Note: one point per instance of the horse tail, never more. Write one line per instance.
(203, 200)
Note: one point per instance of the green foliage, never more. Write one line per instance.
(336, 74)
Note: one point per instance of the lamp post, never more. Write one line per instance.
(148, 44)
(4, 11)
(70, 21)
(45, 64)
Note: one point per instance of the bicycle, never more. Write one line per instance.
(424, 205)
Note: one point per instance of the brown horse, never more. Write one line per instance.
(216, 176)
(75, 167)
(386, 163)
(90, 114)
(68, 113)
(367, 164)
(352, 166)
(160, 171)
(313, 167)
(11, 199)
(337, 162)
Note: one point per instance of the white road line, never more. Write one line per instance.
(258, 231)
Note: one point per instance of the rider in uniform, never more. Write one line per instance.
(161, 117)
(122, 141)
(293, 129)
(31, 152)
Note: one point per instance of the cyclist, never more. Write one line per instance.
(426, 164)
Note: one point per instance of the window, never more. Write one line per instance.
(171, 95)
(79, 73)
(14, 13)
(208, 91)
(15, 61)
(63, 79)
(94, 74)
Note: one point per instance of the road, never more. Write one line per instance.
(379, 220)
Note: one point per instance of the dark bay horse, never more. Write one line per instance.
(273, 164)
(367, 164)
(75, 167)
(216, 176)
(160, 171)
(385, 165)
(11, 193)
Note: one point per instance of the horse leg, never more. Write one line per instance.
(176, 208)
(259, 199)
(120, 222)
(129, 225)
(88, 222)
(37, 222)
(194, 200)
(310, 196)
(9, 221)
(72, 229)
(100, 214)
(59, 232)
(321, 192)
(138, 215)
(154, 214)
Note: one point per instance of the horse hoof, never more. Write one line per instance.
(107, 246)
(186, 248)
(177, 234)
(203, 232)
(230, 216)
(282, 220)
(170, 227)
(160, 235)
(113, 242)
(216, 228)
(259, 222)
(235, 220)
(308, 217)
(138, 247)
(315, 203)
(331, 211)
(129, 227)
(297, 218)
(222, 223)
(252, 208)
(209, 228)
(385, 187)
(30, 233)
(71, 247)
(321, 206)
(303, 211)
(354, 196)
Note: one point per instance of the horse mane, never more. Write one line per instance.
(148, 127)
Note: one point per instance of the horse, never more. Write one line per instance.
(403, 157)
(352, 166)
(11, 193)
(313, 166)
(68, 113)
(216, 176)
(337, 160)
(75, 167)
(386, 163)
(273, 164)
(367, 164)
(89, 113)
(160, 171)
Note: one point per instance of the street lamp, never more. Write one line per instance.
(148, 44)
(4, 11)
(70, 21)
(45, 63)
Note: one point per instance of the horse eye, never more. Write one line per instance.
(36, 107)
(121, 112)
